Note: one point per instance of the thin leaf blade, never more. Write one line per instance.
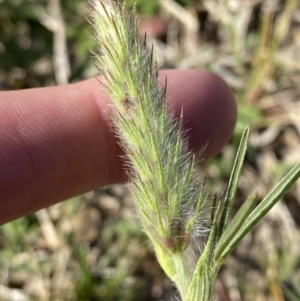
(264, 207)
(233, 181)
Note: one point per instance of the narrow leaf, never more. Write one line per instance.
(264, 207)
(234, 226)
(233, 181)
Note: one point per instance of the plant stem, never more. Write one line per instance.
(183, 275)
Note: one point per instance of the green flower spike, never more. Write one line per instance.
(169, 199)
(167, 194)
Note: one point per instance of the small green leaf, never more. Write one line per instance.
(264, 207)
(233, 181)
(234, 227)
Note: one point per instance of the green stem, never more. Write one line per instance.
(183, 274)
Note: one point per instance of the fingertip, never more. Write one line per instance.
(58, 142)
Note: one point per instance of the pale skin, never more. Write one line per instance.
(58, 142)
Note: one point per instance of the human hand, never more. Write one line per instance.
(58, 142)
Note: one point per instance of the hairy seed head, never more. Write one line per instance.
(166, 191)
